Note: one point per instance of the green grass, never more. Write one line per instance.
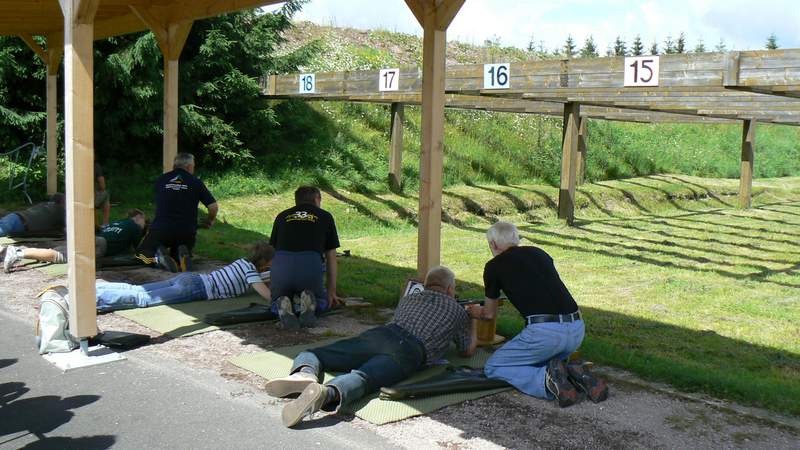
(677, 284)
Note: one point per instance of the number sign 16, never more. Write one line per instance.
(389, 80)
(641, 71)
(307, 83)
(496, 76)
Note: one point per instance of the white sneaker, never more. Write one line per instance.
(293, 384)
(10, 259)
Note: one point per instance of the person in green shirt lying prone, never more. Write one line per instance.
(113, 239)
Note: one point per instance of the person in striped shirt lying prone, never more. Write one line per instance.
(233, 280)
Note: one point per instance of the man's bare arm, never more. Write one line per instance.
(330, 269)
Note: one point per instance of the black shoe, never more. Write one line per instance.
(579, 375)
(164, 261)
(185, 258)
(307, 305)
(286, 314)
(557, 383)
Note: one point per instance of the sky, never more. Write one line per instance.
(743, 25)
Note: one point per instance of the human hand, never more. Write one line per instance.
(474, 310)
(206, 223)
(333, 300)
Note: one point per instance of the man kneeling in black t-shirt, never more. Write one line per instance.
(305, 240)
(533, 361)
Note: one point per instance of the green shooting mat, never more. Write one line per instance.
(186, 319)
(277, 363)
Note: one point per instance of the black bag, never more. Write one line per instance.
(119, 339)
(454, 379)
(256, 312)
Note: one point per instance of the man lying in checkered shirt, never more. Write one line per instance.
(421, 331)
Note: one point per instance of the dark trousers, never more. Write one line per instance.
(379, 357)
(294, 272)
(146, 250)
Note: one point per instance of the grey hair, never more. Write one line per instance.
(441, 277)
(503, 234)
(183, 160)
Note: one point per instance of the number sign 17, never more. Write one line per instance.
(307, 83)
(389, 80)
(641, 71)
(496, 76)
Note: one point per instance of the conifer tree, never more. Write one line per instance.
(589, 49)
(619, 47)
(772, 42)
(680, 45)
(654, 48)
(669, 45)
(700, 47)
(637, 49)
(721, 47)
(569, 47)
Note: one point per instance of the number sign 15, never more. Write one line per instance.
(307, 83)
(496, 76)
(641, 71)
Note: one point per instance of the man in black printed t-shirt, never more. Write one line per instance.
(172, 234)
(533, 361)
(305, 241)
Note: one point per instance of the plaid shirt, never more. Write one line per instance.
(436, 320)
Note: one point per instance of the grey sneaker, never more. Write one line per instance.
(10, 259)
(307, 308)
(293, 384)
(311, 400)
(286, 314)
(165, 261)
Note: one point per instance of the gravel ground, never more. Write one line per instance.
(638, 414)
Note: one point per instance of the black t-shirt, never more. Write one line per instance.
(529, 278)
(177, 194)
(304, 228)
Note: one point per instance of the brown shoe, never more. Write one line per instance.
(556, 383)
(579, 375)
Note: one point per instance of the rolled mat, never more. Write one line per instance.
(454, 379)
(278, 362)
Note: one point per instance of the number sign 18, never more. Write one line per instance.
(389, 80)
(307, 83)
(641, 71)
(497, 76)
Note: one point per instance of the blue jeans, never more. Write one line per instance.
(379, 357)
(522, 362)
(11, 224)
(295, 272)
(186, 287)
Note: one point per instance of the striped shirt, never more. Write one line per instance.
(232, 280)
(436, 320)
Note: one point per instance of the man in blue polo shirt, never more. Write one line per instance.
(171, 236)
(305, 240)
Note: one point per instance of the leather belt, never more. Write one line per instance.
(560, 318)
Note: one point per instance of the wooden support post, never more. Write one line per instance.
(581, 161)
(748, 153)
(432, 147)
(79, 149)
(176, 38)
(396, 156)
(434, 16)
(569, 156)
(171, 36)
(55, 49)
(51, 58)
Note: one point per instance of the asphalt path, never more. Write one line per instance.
(143, 402)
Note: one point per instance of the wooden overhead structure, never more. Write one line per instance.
(75, 24)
